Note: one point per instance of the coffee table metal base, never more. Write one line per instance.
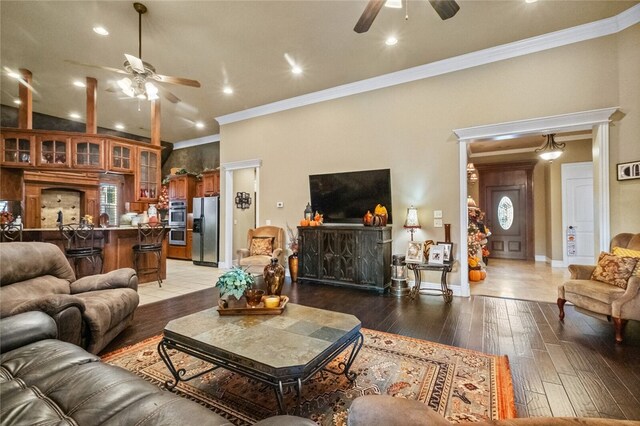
(278, 383)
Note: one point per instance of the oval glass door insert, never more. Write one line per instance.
(505, 213)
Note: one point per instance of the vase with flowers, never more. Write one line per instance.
(293, 257)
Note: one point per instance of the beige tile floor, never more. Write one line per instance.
(520, 279)
(182, 277)
(511, 279)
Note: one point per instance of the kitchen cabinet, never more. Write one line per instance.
(183, 188)
(53, 151)
(18, 149)
(211, 182)
(199, 188)
(88, 153)
(348, 256)
(121, 157)
(148, 176)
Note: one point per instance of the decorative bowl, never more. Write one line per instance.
(254, 296)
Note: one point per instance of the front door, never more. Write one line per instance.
(506, 196)
(505, 217)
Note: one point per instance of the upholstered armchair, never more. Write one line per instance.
(603, 291)
(88, 312)
(263, 243)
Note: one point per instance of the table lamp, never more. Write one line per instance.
(412, 220)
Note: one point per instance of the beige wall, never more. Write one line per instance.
(408, 128)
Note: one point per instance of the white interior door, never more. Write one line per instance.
(578, 213)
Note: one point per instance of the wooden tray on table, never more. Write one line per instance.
(240, 307)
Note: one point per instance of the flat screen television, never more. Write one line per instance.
(346, 197)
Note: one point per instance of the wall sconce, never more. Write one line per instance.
(472, 174)
(412, 223)
(243, 200)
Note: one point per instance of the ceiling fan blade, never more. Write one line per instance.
(136, 63)
(97, 66)
(445, 8)
(367, 17)
(176, 80)
(168, 95)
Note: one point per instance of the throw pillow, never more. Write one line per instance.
(619, 251)
(613, 269)
(261, 246)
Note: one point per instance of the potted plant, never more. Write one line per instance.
(234, 282)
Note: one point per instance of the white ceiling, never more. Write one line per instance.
(243, 43)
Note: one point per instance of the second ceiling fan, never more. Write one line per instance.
(445, 8)
(141, 75)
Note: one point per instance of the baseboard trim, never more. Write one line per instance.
(541, 258)
(557, 263)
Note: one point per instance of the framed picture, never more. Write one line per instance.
(628, 171)
(436, 255)
(414, 252)
(448, 250)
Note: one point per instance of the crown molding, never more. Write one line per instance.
(244, 164)
(197, 141)
(527, 46)
(584, 120)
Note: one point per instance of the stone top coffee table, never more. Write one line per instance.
(279, 350)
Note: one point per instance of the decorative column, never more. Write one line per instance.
(92, 103)
(155, 122)
(25, 111)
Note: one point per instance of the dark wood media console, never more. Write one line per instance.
(345, 255)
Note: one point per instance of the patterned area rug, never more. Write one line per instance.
(462, 385)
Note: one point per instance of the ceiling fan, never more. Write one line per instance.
(141, 75)
(445, 8)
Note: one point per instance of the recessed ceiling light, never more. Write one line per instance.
(119, 126)
(391, 41)
(17, 101)
(78, 83)
(296, 69)
(101, 30)
(228, 90)
(199, 124)
(74, 115)
(530, 1)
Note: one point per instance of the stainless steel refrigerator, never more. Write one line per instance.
(206, 230)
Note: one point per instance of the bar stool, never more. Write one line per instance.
(150, 238)
(10, 232)
(80, 245)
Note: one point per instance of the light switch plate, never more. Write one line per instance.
(268, 222)
(437, 223)
(437, 214)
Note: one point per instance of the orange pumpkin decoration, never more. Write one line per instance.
(475, 275)
(304, 222)
(368, 219)
(483, 274)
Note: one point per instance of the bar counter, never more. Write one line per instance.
(117, 246)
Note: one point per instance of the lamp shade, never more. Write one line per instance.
(412, 218)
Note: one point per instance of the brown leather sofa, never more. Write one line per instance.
(383, 410)
(47, 381)
(89, 312)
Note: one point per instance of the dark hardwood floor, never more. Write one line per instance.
(558, 369)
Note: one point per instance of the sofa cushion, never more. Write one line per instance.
(613, 269)
(597, 290)
(20, 261)
(619, 251)
(53, 382)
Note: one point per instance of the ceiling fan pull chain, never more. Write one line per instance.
(406, 10)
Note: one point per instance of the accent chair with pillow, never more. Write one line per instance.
(609, 290)
(263, 243)
(88, 312)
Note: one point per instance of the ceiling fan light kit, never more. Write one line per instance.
(444, 8)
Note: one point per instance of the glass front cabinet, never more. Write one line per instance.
(148, 183)
(18, 149)
(88, 153)
(53, 151)
(121, 157)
